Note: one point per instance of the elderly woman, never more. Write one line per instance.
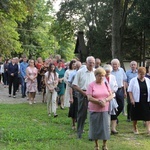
(121, 79)
(139, 92)
(99, 94)
(111, 80)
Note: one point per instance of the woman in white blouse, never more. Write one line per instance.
(139, 92)
(111, 80)
(66, 77)
(51, 81)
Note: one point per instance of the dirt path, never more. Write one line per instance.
(4, 99)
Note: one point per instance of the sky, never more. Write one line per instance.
(56, 4)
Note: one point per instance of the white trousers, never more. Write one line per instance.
(51, 101)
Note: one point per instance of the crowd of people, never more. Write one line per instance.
(100, 90)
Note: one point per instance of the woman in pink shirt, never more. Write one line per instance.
(99, 95)
(31, 80)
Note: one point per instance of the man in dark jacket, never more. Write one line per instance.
(13, 76)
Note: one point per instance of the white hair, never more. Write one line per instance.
(115, 61)
(89, 57)
(108, 68)
(133, 62)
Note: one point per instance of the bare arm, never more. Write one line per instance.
(131, 98)
(125, 87)
(71, 95)
(79, 90)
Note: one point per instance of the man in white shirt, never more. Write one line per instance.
(83, 77)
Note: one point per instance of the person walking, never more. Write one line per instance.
(51, 81)
(111, 80)
(99, 95)
(31, 73)
(23, 67)
(139, 92)
(66, 77)
(6, 80)
(73, 94)
(133, 72)
(61, 85)
(83, 77)
(13, 76)
(121, 79)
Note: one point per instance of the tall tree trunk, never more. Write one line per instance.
(141, 49)
(144, 48)
(120, 11)
(116, 35)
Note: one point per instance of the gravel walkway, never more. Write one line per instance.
(4, 99)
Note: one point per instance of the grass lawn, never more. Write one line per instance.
(28, 127)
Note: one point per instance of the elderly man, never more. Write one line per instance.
(133, 72)
(83, 77)
(121, 79)
(97, 63)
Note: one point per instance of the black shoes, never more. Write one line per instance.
(114, 132)
(61, 107)
(23, 96)
(128, 120)
(55, 115)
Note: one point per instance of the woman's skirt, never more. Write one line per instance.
(99, 125)
(73, 109)
(141, 111)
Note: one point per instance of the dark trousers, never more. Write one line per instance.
(23, 86)
(39, 78)
(12, 82)
(128, 107)
(6, 79)
(18, 82)
(82, 113)
(0, 77)
(120, 100)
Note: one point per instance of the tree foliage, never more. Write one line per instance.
(118, 28)
(10, 13)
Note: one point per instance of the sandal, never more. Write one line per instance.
(136, 131)
(96, 148)
(104, 147)
(73, 127)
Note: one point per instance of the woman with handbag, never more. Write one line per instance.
(111, 80)
(51, 81)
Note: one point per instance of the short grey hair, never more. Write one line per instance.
(89, 57)
(133, 62)
(115, 61)
(108, 68)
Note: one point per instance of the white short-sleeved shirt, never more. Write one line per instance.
(83, 78)
(120, 76)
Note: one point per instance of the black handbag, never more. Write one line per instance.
(57, 89)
